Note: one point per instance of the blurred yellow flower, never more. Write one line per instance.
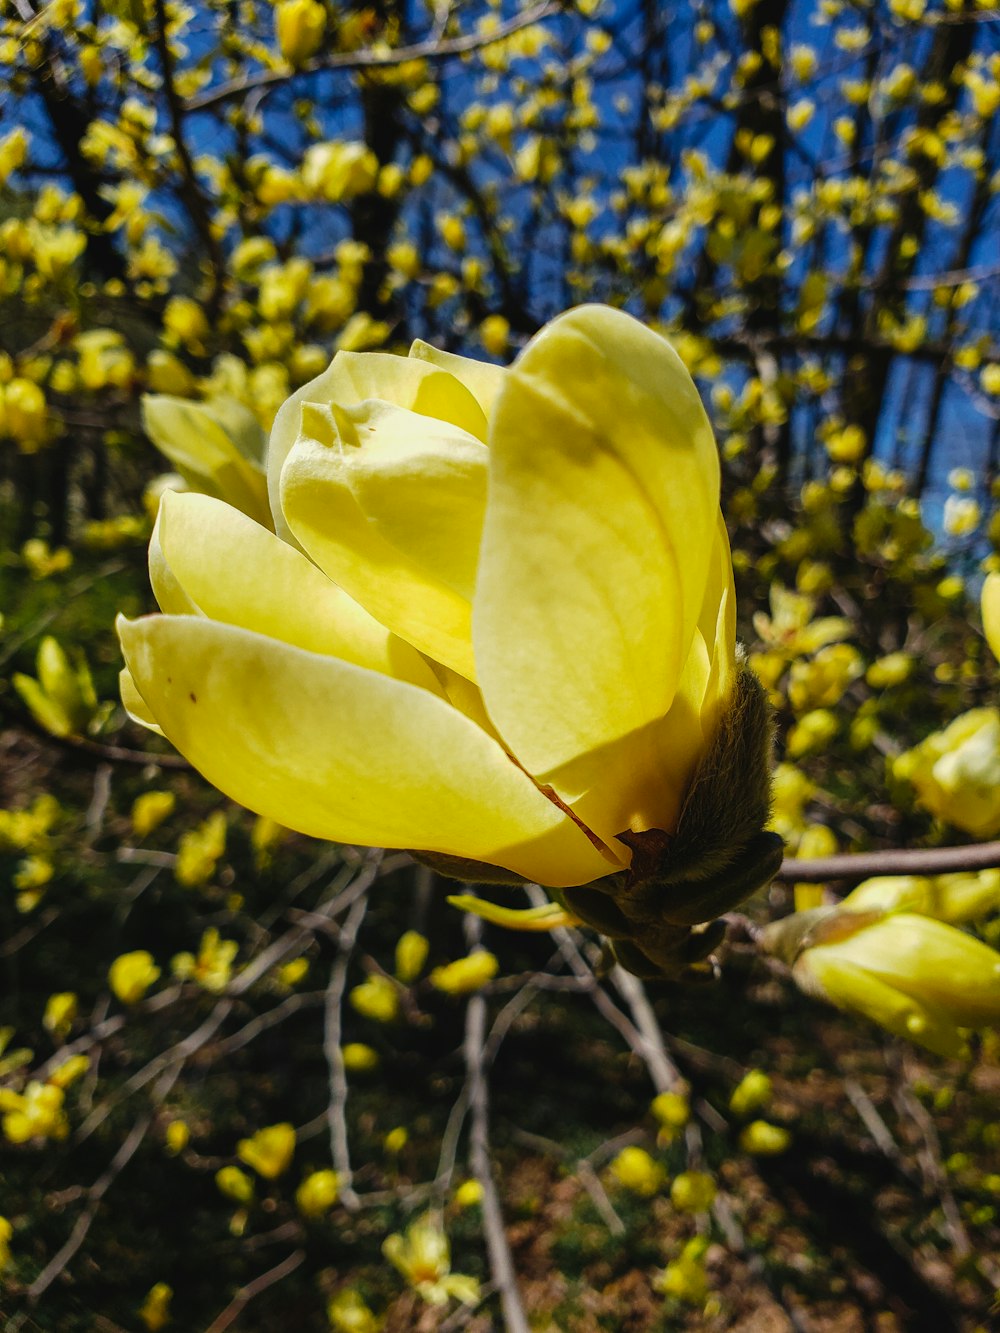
(913, 975)
(377, 998)
(155, 1309)
(684, 1278)
(269, 1152)
(465, 974)
(317, 1193)
(131, 975)
(299, 26)
(423, 1257)
(635, 1170)
(991, 612)
(956, 772)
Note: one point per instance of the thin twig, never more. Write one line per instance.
(336, 1110)
(501, 1262)
(246, 1294)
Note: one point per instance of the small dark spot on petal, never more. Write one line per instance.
(193, 697)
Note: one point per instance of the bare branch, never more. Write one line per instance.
(246, 1294)
(501, 1263)
(364, 60)
(893, 861)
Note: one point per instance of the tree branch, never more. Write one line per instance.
(893, 861)
(364, 60)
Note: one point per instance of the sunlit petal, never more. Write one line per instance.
(483, 379)
(600, 531)
(207, 557)
(338, 752)
(355, 377)
(389, 503)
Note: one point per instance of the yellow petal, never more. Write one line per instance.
(547, 917)
(823, 972)
(483, 379)
(337, 752)
(933, 962)
(389, 503)
(206, 557)
(602, 521)
(355, 377)
(134, 704)
(991, 612)
(215, 446)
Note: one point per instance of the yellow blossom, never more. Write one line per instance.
(635, 1170)
(131, 975)
(300, 26)
(377, 998)
(60, 1013)
(423, 1257)
(956, 772)
(762, 1139)
(991, 612)
(400, 539)
(751, 1093)
(692, 1192)
(213, 967)
(468, 1195)
(317, 1193)
(199, 851)
(684, 1278)
(465, 974)
(150, 810)
(176, 1137)
(348, 1313)
(913, 975)
(235, 1184)
(359, 1058)
(269, 1151)
(494, 333)
(217, 447)
(411, 954)
(155, 1309)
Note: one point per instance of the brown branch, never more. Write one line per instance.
(894, 861)
(501, 1262)
(364, 60)
(246, 1294)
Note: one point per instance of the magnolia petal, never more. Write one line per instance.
(334, 751)
(216, 447)
(134, 704)
(991, 612)
(206, 557)
(639, 781)
(547, 917)
(823, 972)
(483, 379)
(355, 377)
(717, 624)
(932, 962)
(602, 519)
(389, 503)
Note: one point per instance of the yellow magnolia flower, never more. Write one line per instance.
(913, 975)
(956, 772)
(991, 612)
(269, 1152)
(423, 1256)
(495, 623)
